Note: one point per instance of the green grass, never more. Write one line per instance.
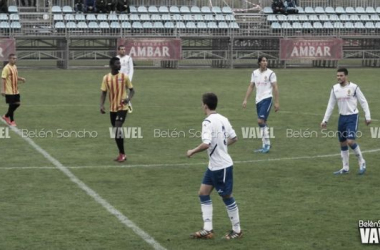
(284, 204)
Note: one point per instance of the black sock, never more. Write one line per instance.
(11, 110)
(119, 138)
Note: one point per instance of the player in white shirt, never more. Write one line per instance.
(265, 81)
(217, 135)
(126, 67)
(347, 95)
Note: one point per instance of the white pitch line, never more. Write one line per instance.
(121, 217)
(190, 164)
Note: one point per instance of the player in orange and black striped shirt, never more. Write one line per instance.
(117, 85)
(9, 88)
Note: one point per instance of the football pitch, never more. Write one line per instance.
(61, 189)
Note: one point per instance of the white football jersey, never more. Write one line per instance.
(126, 66)
(347, 98)
(216, 129)
(264, 83)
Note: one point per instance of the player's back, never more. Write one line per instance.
(218, 129)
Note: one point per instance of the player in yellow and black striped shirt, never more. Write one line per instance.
(9, 88)
(117, 85)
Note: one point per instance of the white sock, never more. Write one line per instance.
(358, 154)
(233, 214)
(266, 135)
(345, 159)
(206, 207)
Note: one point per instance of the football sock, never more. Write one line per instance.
(233, 213)
(266, 135)
(345, 157)
(262, 133)
(119, 138)
(358, 153)
(11, 110)
(206, 207)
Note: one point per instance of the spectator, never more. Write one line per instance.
(123, 6)
(89, 6)
(3, 6)
(278, 7)
(111, 5)
(290, 7)
(78, 6)
(101, 6)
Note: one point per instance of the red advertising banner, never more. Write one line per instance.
(7, 46)
(152, 49)
(315, 49)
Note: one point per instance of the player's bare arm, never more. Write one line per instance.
(130, 95)
(250, 89)
(276, 97)
(231, 141)
(22, 79)
(200, 148)
(102, 100)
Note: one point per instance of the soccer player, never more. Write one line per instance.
(265, 81)
(217, 134)
(117, 84)
(347, 94)
(126, 67)
(9, 88)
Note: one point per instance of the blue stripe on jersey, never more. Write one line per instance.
(213, 150)
(205, 120)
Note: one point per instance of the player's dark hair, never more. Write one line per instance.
(113, 60)
(344, 70)
(120, 46)
(10, 55)
(260, 59)
(211, 100)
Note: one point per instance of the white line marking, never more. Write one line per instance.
(190, 164)
(122, 218)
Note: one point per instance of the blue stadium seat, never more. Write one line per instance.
(375, 18)
(209, 18)
(198, 18)
(104, 25)
(377, 25)
(82, 25)
(334, 18)
(202, 25)
(340, 10)
(14, 17)
(71, 25)
(169, 25)
(365, 18)
(234, 26)
(180, 25)
(142, 9)
(324, 18)
(275, 26)
(90, 17)
(212, 25)
(69, 17)
(309, 10)
(338, 25)
(177, 17)
(80, 17)
(102, 17)
(219, 18)
(223, 25)
(293, 18)
(166, 18)
(307, 26)
(319, 10)
(230, 18)
(134, 18)
(317, 26)
(282, 18)
(59, 25)
(360, 10)
(359, 26)
(303, 18)
(184, 10)
(144, 18)
(206, 10)
(3, 17)
(133, 9)
(191, 25)
(370, 25)
(268, 10)
(329, 10)
(115, 25)
(228, 10)
(155, 17)
(152, 9)
(286, 26)
(271, 18)
(163, 9)
(158, 25)
(15, 25)
(126, 25)
(195, 10)
(216, 10)
(112, 18)
(174, 9)
(12, 9)
(297, 26)
(313, 18)
(344, 18)
(93, 25)
(300, 10)
(350, 10)
(56, 9)
(123, 17)
(328, 26)
(370, 10)
(137, 25)
(378, 10)
(187, 18)
(349, 25)
(4, 25)
(67, 9)
(354, 18)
